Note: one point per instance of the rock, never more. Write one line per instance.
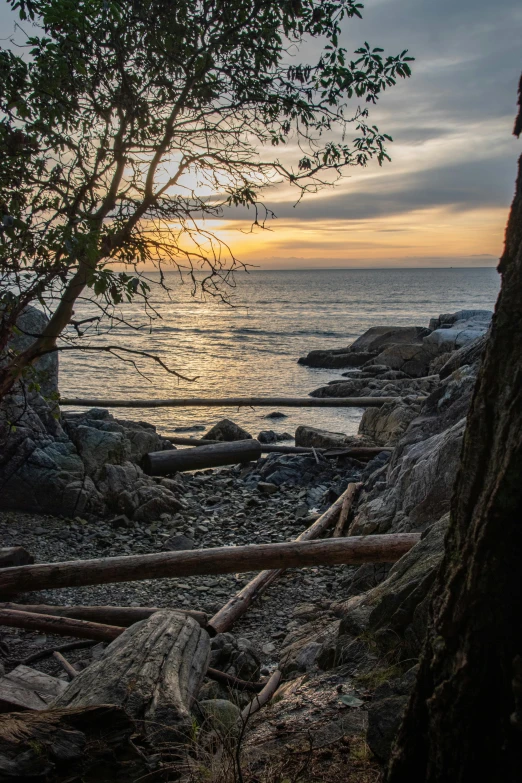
(470, 354)
(30, 325)
(266, 488)
(276, 415)
(269, 436)
(386, 425)
(453, 330)
(178, 543)
(322, 439)
(335, 359)
(97, 448)
(235, 656)
(410, 358)
(386, 711)
(226, 430)
(377, 337)
(220, 715)
(190, 428)
(368, 387)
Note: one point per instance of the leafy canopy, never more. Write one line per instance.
(125, 123)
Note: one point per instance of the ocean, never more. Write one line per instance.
(251, 348)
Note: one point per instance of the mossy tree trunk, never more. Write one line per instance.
(464, 720)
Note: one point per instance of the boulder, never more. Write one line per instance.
(453, 330)
(410, 358)
(386, 425)
(470, 354)
(269, 436)
(226, 430)
(219, 715)
(368, 387)
(377, 337)
(235, 656)
(323, 439)
(335, 359)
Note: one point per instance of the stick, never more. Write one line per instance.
(263, 697)
(62, 626)
(349, 497)
(64, 663)
(39, 656)
(13, 556)
(161, 463)
(234, 682)
(236, 402)
(219, 560)
(238, 604)
(109, 615)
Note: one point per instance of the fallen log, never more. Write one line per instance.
(109, 615)
(161, 463)
(220, 560)
(360, 452)
(263, 697)
(348, 498)
(235, 402)
(153, 671)
(13, 556)
(239, 603)
(61, 626)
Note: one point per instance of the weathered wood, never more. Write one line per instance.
(161, 463)
(359, 452)
(239, 603)
(62, 626)
(66, 666)
(153, 670)
(348, 498)
(28, 689)
(65, 745)
(109, 615)
(220, 560)
(235, 402)
(13, 556)
(234, 682)
(263, 697)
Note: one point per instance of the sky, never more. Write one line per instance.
(444, 198)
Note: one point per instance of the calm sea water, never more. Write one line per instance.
(253, 347)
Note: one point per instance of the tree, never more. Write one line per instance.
(125, 123)
(464, 720)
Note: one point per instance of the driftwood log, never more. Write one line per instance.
(122, 616)
(239, 603)
(65, 745)
(61, 626)
(28, 689)
(219, 560)
(153, 671)
(13, 556)
(263, 697)
(161, 463)
(358, 452)
(235, 402)
(348, 498)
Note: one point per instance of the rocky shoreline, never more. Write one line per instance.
(72, 488)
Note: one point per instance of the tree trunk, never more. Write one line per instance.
(464, 720)
(153, 670)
